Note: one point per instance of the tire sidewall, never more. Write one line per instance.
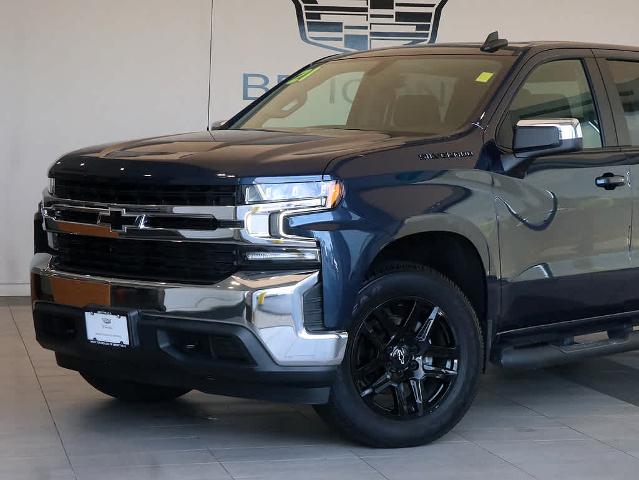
(463, 322)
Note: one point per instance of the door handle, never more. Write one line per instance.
(610, 181)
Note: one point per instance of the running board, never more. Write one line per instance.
(547, 355)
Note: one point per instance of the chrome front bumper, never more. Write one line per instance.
(270, 304)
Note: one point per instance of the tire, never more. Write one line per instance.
(134, 392)
(435, 353)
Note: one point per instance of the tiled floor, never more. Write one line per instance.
(577, 422)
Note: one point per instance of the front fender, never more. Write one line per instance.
(378, 210)
(451, 223)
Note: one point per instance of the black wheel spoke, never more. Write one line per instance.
(400, 399)
(424, 331)
(372, 336)
(439, 372)
(368, 369)
(385, 319)
(447, 353)
(409, 325)
(381, 384)
(416, 387)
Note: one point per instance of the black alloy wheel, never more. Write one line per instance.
(404, 359)
(412, 364)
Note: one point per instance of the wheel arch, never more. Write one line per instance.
(456, 250)
(453, 225)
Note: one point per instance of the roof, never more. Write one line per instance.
(565, 44)
(515, 48)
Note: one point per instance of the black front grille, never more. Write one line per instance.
(179, 262)
(94, 190)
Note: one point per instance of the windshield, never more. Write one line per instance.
(418, 95)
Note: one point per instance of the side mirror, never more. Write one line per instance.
(542, 137)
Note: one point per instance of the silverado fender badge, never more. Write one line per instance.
(434, 156)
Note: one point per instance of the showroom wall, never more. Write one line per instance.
(258, 40)
(81, 72)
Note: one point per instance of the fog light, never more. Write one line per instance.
(310, 255)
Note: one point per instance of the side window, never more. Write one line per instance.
(626, 77)
(558, 89)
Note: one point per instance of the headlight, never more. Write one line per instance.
(268, 204)
(322, 194)
(51, 187)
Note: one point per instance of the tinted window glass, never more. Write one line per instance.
(329, 103)
(418, 95)
(626, 77)
(555, 90)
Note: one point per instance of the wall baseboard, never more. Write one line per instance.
(14, 289)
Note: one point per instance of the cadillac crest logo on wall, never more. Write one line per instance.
(351, 25)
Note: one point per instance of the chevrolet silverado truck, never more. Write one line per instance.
(365, 238)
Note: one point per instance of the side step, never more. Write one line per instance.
(547, 355)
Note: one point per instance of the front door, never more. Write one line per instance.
(564, 226)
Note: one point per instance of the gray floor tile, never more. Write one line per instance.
(291, 452)
(266, 429)
(325, 469)
(122, 444)
(22, 301)
(517, 434)
(630, 359)
(572, 459)
(39, 442)
(36, 468)
(193, 471)
(444, 461)
(140, 459)
(606, 427)
(627, 445)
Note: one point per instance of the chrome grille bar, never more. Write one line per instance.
(164, 222)
(151, 222)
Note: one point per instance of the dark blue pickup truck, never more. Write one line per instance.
(365, 237)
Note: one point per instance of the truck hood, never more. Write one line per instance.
(219, 156)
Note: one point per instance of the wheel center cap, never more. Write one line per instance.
(399, 357)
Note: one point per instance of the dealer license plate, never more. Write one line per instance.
(108, 329)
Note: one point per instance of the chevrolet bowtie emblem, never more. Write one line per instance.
(119, 220)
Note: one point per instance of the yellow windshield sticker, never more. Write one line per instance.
(303, 75)
(484, 77)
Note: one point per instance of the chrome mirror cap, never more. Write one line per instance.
(569, 128)
(543, 137)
